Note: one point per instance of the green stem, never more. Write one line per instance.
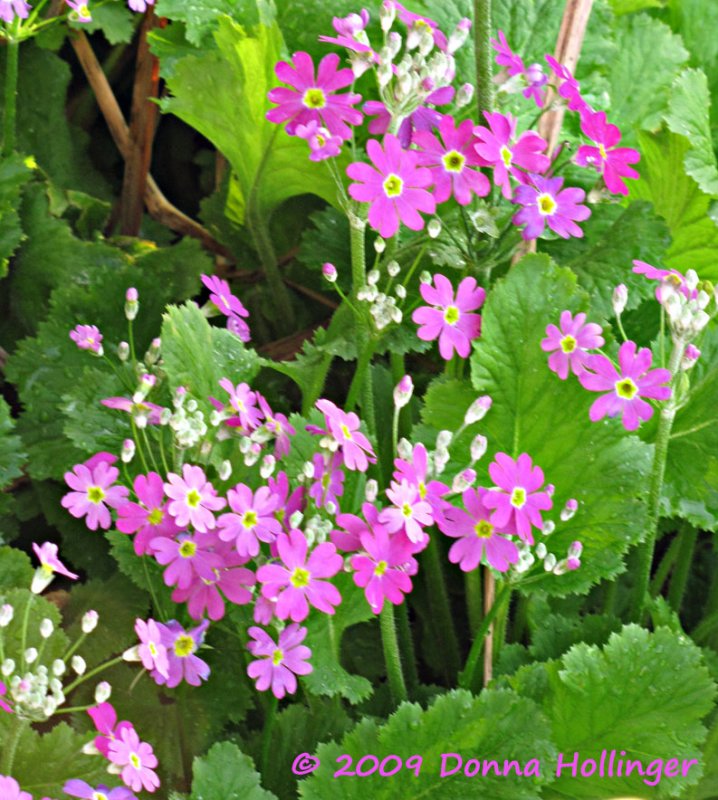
(357, 228)
(406, 646)
(280, 296)
(468, 676)
(91, 674)
(679, 580)
(441, 610)
(25, 620)
(665, 567)
(392, 657)
(267, 735)
(665, 424)
(17, 726)
(483, 54)
(474, 603)
(362, 369)
(11, 74)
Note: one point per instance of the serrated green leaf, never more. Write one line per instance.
(630, 6)
(115, 20)
(200, 16)
(15, 569)
(19, 635)
(643, 693)
(492, 726)
(225, 773)
(12, 457)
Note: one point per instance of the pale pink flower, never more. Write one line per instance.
(382, 570)
(87, 337)
(569, 344)
(251, 520)
(277, 665)
(356, 448)
(9, 787)
(193, 498)
(244, 401)
(409, 512)
(94, 493)
(152, 652)
(136, 759)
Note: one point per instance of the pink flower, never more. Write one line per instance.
(187, 558)
(152, 652)
(356, 448)
(142, 413)
(238, 327)
(148, 519)
(181, 647)
(409, 512)
(568, 87)
(298, 584)
(477, 536)
(50, 563)
(667, 277)
(4, 705)
(244, 401)
(315, 98)
(517, 502)
(545, 203)
(383, 569)
(221, 295)
(424, 118)
(417, 24)
(104, 718)
(570, 344)
(93, 491)
(505, 57)
(9, 9)
(264, 610)
(81, 10)
(287, 504)
(86, 337)
(278, 425)
(449, 319)
(416, 472)
(136, 759)
(78, 788)
(320, 140)
(277, 665)
(496, 146)
(450, 160)
(193, 498)
(329, 480)
(252, 519)
(609, 160)
(395, 186)
(625, 386)
(140, 6)
(9, 787)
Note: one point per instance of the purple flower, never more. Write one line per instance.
(152, 652)
(609, 160)
(93, 491)
(277, 665)
(251, 520)
(396, 187)
(193, 498)
(148, 519)
(86, 337)
(104, 718)
(382, 570)
(417, 25)
(329, 480)
(9, 787)
(286, 504)
(424, 118)
(568, 87)
(244, 401)
(181, 647)
(449, 318)
(517, 501)
(82, 12)
(545, 203)
(142, 413)
(136, 759)
(505, 57)
(409, 513)
(497, 145)
(238, 327)
(625, 386)
(667, 277)
(187, 558)
(450, 160)
(315, 98)
(320, 140)
(140, 6)
(278, 425)
(221, 295)
(569, 344)
(477, 535)
(78, 788)
(298, 584)
(49, 562)
(9, 9)
(4, 705)
(416, 472)
(356, 448)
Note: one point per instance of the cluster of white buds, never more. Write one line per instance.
(550, 562)
(441, 453)
(188, 423)
(34, 696)
(685, 306)
(317, 530)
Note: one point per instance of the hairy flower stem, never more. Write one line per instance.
(392, 657)
(679, 580)
(665, 567)
(270, 717)
(441, 610)
(406, 646)
(665, 425)
(482, 48)
(9, 747)
(11, 73)
(467, 678)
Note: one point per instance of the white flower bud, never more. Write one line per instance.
(393, 268)
(569, 510)
(89, 749)
(465, 95)
(268, 465)
(79, 665)
(425, 277)
(387, 13)
(379, 245)
(441, 459)
(372, 277)
(384, 74)
(549, 562)
(123, 351)
(128, 451)
(49, 706)
(541, 550)
(8, 667)
(371, 490)
(477, 410)
(103, 690)
(404, 449)
(620, 298)
(443, 440)
(296, 519)
(132, 654)
(463, 480)
(30, 655)
(58, 667)
(89, 621)
(46, 628)
(548, 527)
(6, 614)
(400, 291)
(403, 391)
(434, 227)
(478, 447)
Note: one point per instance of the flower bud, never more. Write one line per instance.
(6, 614)
(153, 354)
(549, 562)
(46, 628)
(30, 655)
(541, 550)
(371, 490)
(296, 519)
(123, 351)
(441, 459)
(478, 409)
(267, 467)
(393, 41)
(58, 667)
(463, 480)
(89, 621)
(400, 291)
(403, 391)
(690, 356)
(103, 690)
(329, 271)
(443, 440)
(78, 664)
(548, 527)
(393, 268)
(465, 95)
(569, 510)
(128, 451)
(132, 305)
(8, 667)
(89, 749)
(132, 654)
(425, 277)
(478, 447)
(620, 298)
(459, 35)
(379, 245)
(433, 227)
(387, 13)
(384, 74)
(49, 706)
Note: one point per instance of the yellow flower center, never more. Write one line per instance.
(187, 549)
(380, 568)
(422, 489)
(453, 161)
(83, 11)
(568, 344)
(321, 141)
(98, 796)
(451, 315)
(393, 185)
(277, 657)
(345, 431)
(546, 205)
(506, 156)
(602, 151)
(249, 519)
(518, 497)
(193, 498)
(626, 389)
(406, 510)
(155, 516)
(484, 529)
(422, 25)
(135, 760)
(95, 494)
(325, 480)
(300, 578)
(151, 647)
(184, 646)
(314, 98)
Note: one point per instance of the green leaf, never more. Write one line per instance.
(492, 727)
(201, 16)
(15, 171)
(115, 20)
(535, 412)
(630, 6)
(18, 635)
(643, 693)
(223, 94)
(16, 571)
(225, 773)
(689, 115)
(12, 457)
(197, 355)
(614, 237)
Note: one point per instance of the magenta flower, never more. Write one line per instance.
(416, 472)
(94, 493)
(49, 561)
(497, 145)
(187, 558)
(278, 425)
(568, 87)
(277, 665)
(136, 759)
(356, 448)
(609, 160)
(666, 277)
(238, 327)
(395, 186)
(152, 652)
(329, 480)
(142, 412)
(424, 118)
(148, 519)
(383, 569)
(181, 647)
(78, 788)
(82, 12)
(533, 75)
(625, 386)
(251, 520)
(86, 337)
(449, 318)
(104, 718)
(450, 159)
(140, 6)
(9, 9)
(545, 203)
(569, 344)
(505, 57)
(518, 501)
(417, 24)
(409, 513)
(193, 498)
(287, 504)
(477, 536)
(315, 98)
(322, 144)
(221, 295)
(244, 401)
(9, 787)
(298, 584)
(4, 705)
